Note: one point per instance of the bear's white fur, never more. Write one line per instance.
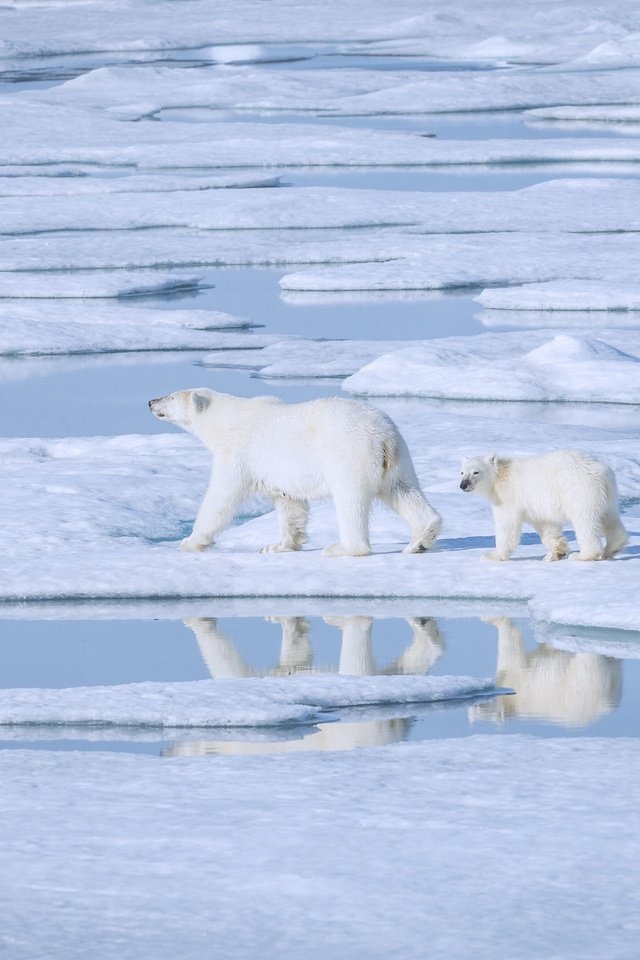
(297, 452)
(546, 491)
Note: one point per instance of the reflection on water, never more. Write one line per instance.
(223, 659)
(571, 689)
(557, 692)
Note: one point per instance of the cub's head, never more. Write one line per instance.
(478, 474)
(183, 408)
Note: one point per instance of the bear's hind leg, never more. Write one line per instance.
(616, 536)
(553, 539)
(352, 510)
(293, 515)
(424, 522)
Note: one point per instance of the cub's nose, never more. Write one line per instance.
(464, 484)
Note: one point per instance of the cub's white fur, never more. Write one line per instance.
(297, 452)
(546, 491)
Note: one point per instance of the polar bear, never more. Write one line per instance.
(546, 491)
(297, 452)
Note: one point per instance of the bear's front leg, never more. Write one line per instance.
(214, 513)
(508, 526)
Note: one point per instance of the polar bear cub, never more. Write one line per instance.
(297, 452)
(546, 491)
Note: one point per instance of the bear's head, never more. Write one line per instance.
(182, 408)
(478, 474)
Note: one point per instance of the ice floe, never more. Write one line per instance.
(501, 367)
(226, 703)
(268, 850)
(51, 327)
(88, 285)
(558, 206)
(570, 295)
(347, 92)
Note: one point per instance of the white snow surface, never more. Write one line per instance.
(371, 854)
(513, 366)
(225, 703)
(89, 285)
(568, 295)
(52, 327)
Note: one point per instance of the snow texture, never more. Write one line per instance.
(167, 857)
(502, 367)
(225, 703)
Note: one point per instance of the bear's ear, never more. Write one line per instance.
(492, 459)
(201, 401)
(464, 461)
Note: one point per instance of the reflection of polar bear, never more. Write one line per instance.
(545, 491)
(572, 689)
(295, 452)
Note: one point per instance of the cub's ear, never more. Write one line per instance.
(492, 459)
(201, 401)
(464, 461)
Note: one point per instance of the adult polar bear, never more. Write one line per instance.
(545, 491)
(297, 452)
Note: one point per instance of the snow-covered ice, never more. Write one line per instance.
(456, 844)
(226, 703)
(111, 190)
(568, 295)
(77, 327)
(515, 366)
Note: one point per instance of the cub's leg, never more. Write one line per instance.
(616, 536)
(586, 528)
(508, 527)
(293, 515)
(553, 539)
(409, 502)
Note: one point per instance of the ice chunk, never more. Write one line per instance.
(483, 368)
(88, 285)
(226, 703)
(567, 295)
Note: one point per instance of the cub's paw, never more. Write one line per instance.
(191, 545)
(339, 550)
(494, 555)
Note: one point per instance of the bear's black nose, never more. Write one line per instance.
(464, 484)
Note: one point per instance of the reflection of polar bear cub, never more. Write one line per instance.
(296, 452)
(545, 491)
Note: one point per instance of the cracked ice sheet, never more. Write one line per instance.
(88, 285)
(48, 134)
(379, 260)
(30, 186)
(52, 327)
(105, 515)
(425, 810)
(513, 31)
(437, 262)
(576, 206)
(585, 295)
(341, 358)
(244, 702)
(345, 92)
(505, 366)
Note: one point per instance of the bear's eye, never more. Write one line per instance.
(475, 473)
